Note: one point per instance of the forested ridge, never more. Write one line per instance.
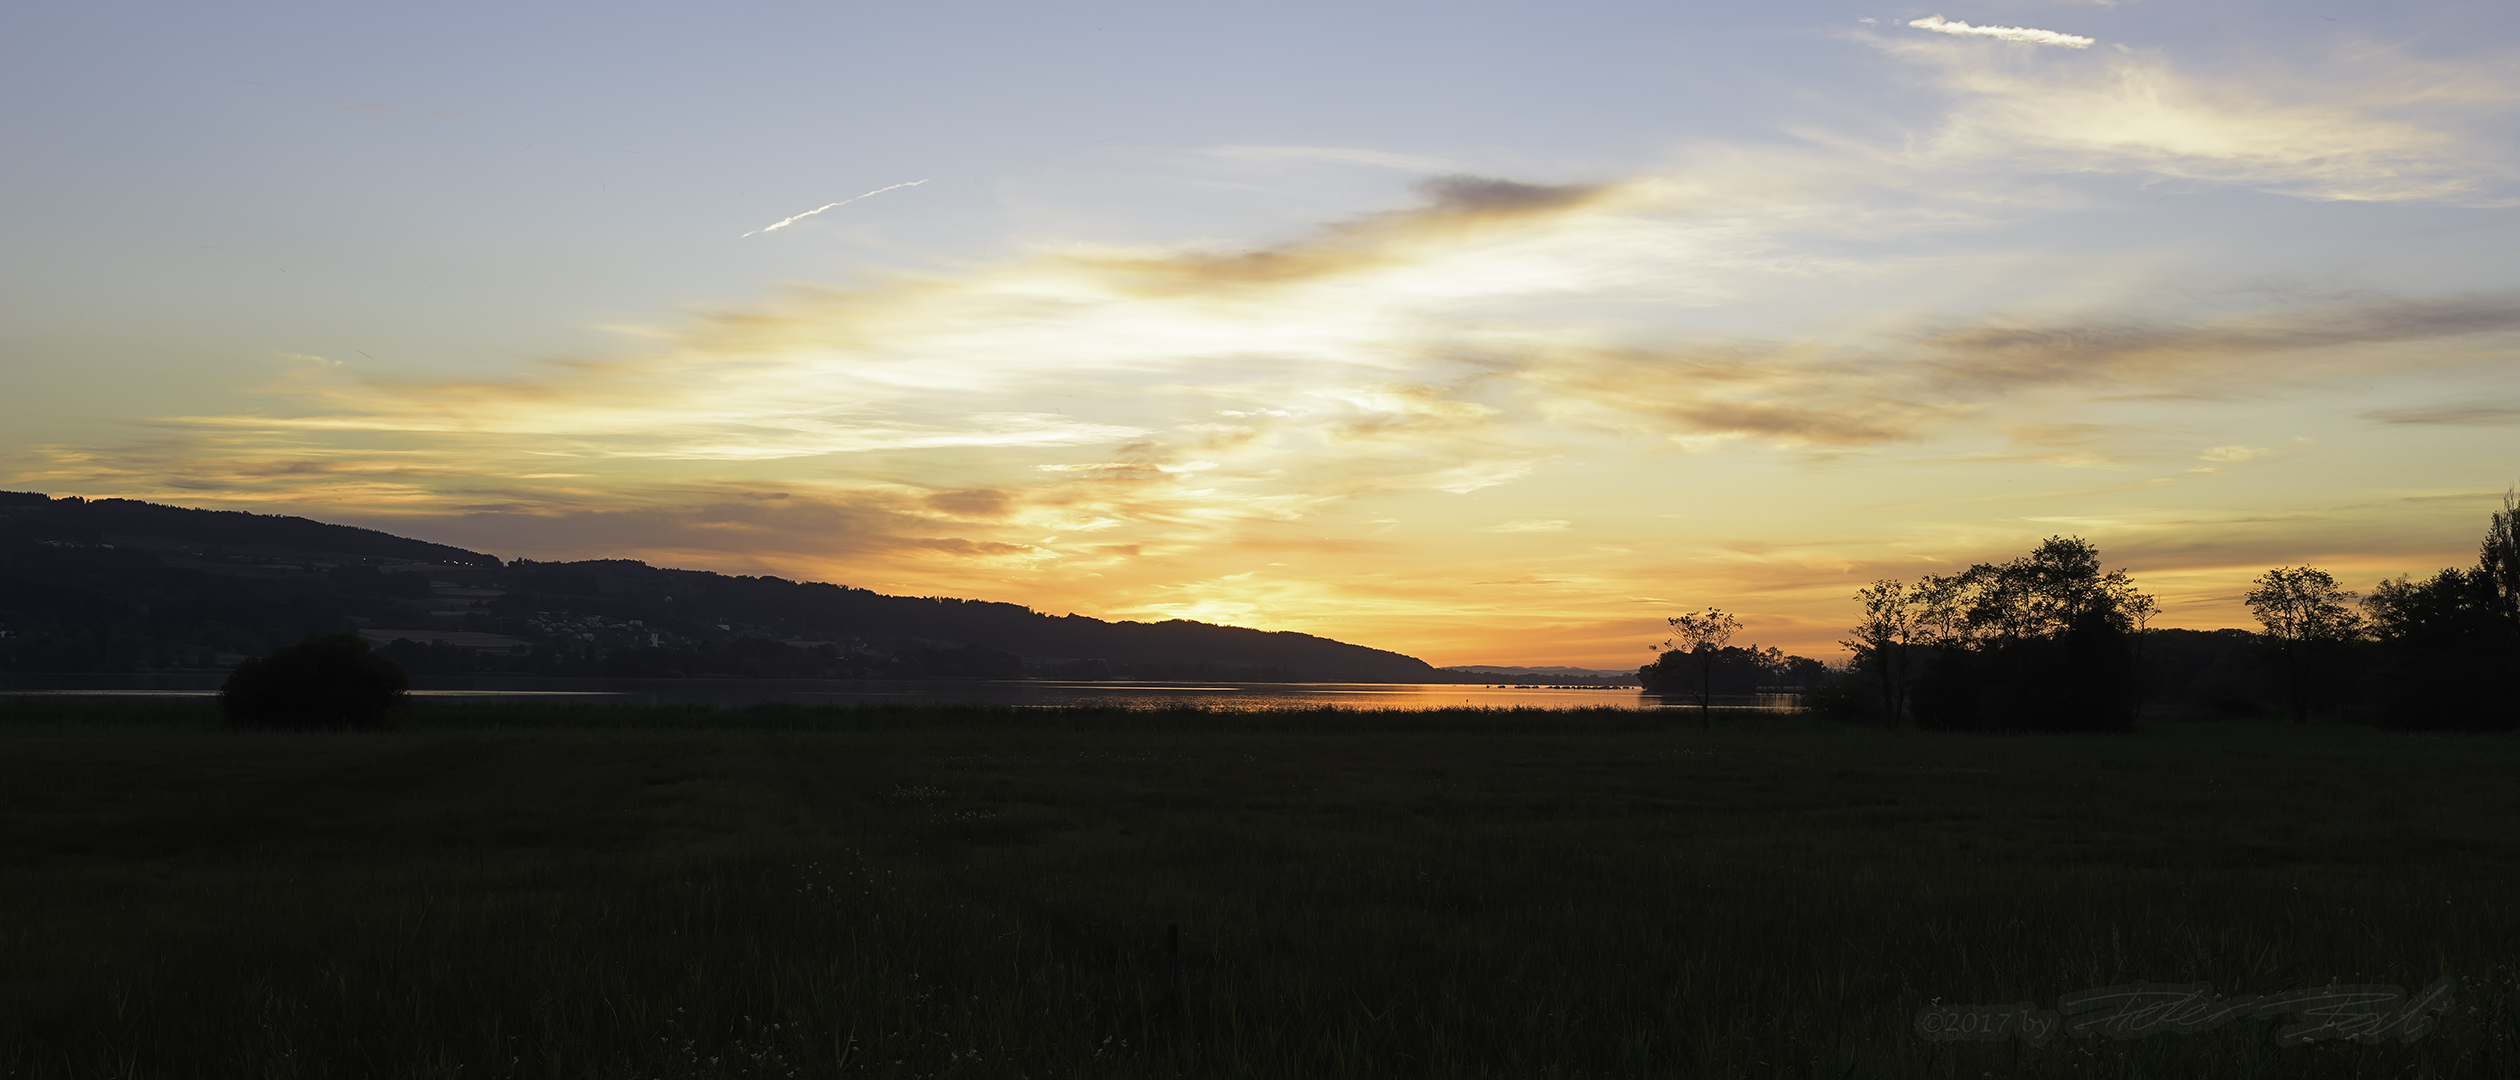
(117, 585)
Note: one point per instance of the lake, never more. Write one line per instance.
(1024, 693)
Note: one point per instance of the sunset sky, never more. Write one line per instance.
(1489, 333)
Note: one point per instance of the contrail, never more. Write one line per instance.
(828, 206)
(2026, 34)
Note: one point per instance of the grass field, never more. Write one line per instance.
(495, 892)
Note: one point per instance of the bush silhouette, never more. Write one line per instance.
(330, 681)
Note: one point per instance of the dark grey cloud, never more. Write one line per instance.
(2454, 413)
(1462, 193)
(1457, 206)
(2015, 355)
(725, 526)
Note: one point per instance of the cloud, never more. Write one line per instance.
(1530, 526)
(2361, 124)
(1777, 393)
(1365, 362)
(2023, 34)
(1816, 394)
(1459, 211)
(2234, 453)
(2222, 354)
(1467, 195)
(1465, 479)
(905, 532)
(2468, 414)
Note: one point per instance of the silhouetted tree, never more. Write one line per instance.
(1892, 621)
(1768, 664)
(2043, 641)
(2306, 615)
(2446, 652)
(1734, 670)
(2499, 559)
(1697, 641)
(2450, 644)
(331, 681)
(2140, 610)
(1803, 673)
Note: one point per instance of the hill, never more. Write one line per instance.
(30, 516)
(119, 585)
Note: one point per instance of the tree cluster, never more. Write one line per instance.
(2048, 641)
(1699, 663)
(2311, 628)
(2439, 653)
(2448, 647)
(2052, 642)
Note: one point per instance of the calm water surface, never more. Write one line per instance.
(735, 692)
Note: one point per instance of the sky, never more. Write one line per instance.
(1488, 333)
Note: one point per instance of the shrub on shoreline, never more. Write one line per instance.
(329, 681)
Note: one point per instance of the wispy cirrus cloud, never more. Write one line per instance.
(1818, 394)
(2360, 124)
(2456, 414)
(1372, 389)
(2206, 354)
(1460, 212)
(2234, 453)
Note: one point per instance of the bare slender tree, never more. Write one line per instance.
(2140, 609)
(1702, 636)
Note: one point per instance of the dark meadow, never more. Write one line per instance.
(2017, 799)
